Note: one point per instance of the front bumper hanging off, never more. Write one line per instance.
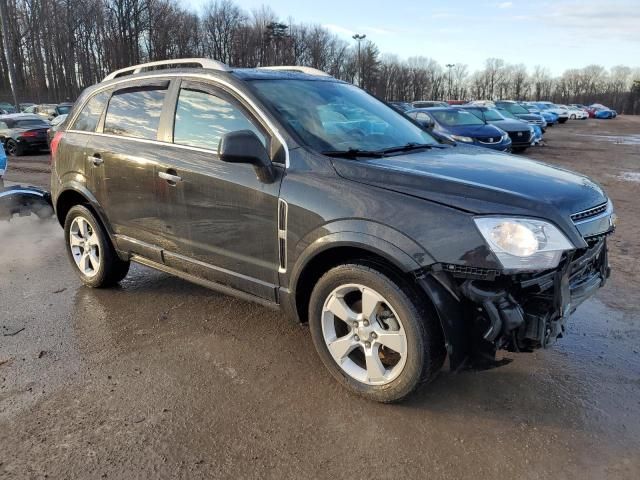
(23, 201)
(483, 311)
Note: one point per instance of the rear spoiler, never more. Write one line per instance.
(24, 201)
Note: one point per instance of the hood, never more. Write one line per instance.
(509, 125)
(529, 116)
(474, 130)
(480, 181)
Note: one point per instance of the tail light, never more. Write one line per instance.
(54, 145)
(30, 133)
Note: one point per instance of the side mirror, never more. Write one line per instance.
(244, 146)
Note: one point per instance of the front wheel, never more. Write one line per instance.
(90, 250)
(375, 334)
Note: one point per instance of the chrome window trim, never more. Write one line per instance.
(201, 76)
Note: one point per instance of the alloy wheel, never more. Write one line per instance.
(85, 247)
(12, 148)
(364, 335)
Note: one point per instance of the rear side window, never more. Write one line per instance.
(88, 118)
(202, 119)
(135, 112)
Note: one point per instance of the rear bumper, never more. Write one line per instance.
(33, 143)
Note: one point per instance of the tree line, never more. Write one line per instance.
(59, 47)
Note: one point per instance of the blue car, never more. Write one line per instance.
(549, 117)
(462, 127)
(3, 162)
(605, 114)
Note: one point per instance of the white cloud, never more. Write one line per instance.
(338, 29)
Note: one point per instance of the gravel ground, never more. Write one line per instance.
(163, 379)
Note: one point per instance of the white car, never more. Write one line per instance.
(576, 113)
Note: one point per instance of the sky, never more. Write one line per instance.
(558, 34)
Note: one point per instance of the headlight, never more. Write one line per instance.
(459, 138)
(524, 243)
(505, 137)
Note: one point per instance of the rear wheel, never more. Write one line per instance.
(90, 250)
(13, 149)
(373, 333)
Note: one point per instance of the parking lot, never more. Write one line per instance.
(160, 378)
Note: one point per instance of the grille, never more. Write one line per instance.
(592, 212)
(469, 272)
(524, 137)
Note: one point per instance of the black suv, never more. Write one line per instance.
(290, 188)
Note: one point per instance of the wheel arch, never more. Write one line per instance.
(338, 248)
(75, 194)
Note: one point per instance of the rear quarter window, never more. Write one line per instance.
(88, 118)
(135, 112)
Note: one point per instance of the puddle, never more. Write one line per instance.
(629, 176)
(616, 139)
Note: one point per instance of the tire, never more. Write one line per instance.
(103, 268)
(13, 149)
(518, 149)
(399, 313)
(573, 117)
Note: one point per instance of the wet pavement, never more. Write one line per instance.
(159, 378)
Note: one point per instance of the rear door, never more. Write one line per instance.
(227, 230)
(125, 153)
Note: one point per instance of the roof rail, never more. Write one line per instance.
(298, 68)
(202, 62)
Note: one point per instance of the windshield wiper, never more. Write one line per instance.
(353, 153)
(408, 147)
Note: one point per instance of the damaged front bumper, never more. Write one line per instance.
(484, 310)
(23, 201)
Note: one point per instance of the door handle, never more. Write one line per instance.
(169, 177)
(95, 159)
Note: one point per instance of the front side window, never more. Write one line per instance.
(333, 116)
(135, 112)
(203, 118)
(88, 118)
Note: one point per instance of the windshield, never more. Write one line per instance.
(332, 116)
(514, 108)
(492, 115)
(507, 113)
(454, 118)
(62, 109)
(32, 122)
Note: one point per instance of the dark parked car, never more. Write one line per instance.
(520, 132)
(21, 132)
(522, 113)
(460, 126)
(303, 193)
(429, 104)
(6, 108)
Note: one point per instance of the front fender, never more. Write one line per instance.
(370, 236)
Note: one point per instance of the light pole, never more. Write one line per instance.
(358, 38)
(450, 66)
